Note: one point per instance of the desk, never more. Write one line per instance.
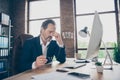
(107, 74)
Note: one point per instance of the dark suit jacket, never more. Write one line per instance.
(33, 49)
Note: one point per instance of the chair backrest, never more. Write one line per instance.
(17, 49)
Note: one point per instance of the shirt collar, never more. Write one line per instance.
(41, 42)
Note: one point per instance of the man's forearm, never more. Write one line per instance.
(61, 56)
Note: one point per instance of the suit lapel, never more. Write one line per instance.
(38, 46)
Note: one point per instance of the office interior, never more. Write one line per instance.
(71, 16)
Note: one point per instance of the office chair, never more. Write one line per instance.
(17, 49)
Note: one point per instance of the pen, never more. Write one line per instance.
(49, 58)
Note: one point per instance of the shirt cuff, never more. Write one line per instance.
(33, 65)
(60, 45)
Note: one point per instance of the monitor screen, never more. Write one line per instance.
(95, 37)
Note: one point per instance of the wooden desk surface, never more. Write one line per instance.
(107, 74)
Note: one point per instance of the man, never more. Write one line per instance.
(40, 50)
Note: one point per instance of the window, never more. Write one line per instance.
(84, 17)
(34, 26)
(40, 10)
(89, 6)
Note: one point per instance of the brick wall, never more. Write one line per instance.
(18, 17)
(4, 6)
(67, 25)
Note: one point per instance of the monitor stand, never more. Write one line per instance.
(110, 60)
(108, 57)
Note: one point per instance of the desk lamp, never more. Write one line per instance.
(83, 33)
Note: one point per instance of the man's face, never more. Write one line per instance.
(48, 33)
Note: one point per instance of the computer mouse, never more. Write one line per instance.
(86, 61)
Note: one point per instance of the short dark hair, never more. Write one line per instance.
(46, 22)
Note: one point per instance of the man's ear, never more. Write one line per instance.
(42, 30)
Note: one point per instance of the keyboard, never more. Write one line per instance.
(81, 61)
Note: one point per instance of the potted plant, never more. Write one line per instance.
(116, 55)
(99, 67)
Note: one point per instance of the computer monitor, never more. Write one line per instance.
(95, 41)
(95, 37)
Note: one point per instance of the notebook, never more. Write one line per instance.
(74, 66)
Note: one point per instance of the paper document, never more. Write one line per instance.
(56, 76)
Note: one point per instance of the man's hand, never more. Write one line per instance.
(58, 38)
(40, 61)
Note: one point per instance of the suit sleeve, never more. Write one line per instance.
(60, 53)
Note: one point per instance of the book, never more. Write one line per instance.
(0, 30)
(3, 66)
(3, 42)
(4, 18)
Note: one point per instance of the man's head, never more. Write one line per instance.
(47, 29)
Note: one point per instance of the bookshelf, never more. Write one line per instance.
(5, 37)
